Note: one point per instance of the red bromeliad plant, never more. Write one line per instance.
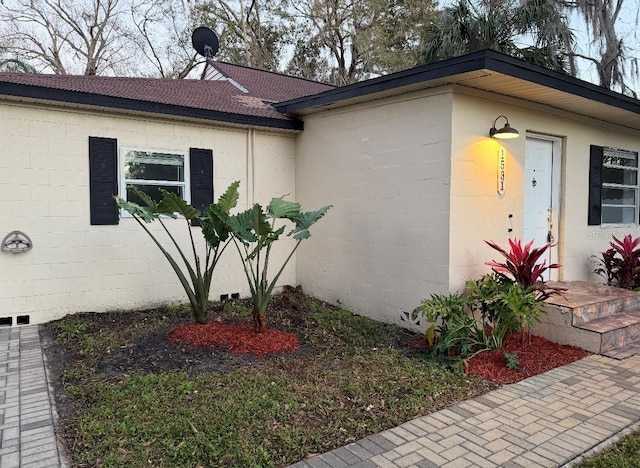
(628, 264)
(521, 263)
(606, 266)
(621, 263)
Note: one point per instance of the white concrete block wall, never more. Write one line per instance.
(478, 213)
(385, 168)
(44, 188)
(274, 162)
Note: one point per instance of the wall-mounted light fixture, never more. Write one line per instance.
(505, 133)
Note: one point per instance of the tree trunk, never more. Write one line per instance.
(259, 315)
(200, 314)
(259, 323)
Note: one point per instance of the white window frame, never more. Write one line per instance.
(124, 181)
(635, 188)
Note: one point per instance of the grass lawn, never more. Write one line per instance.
(624, 454)
(128, 398)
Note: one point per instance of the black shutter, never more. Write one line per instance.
(595, 185)
(103, 180)
(201, 163)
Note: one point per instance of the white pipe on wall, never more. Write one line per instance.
(250, 190)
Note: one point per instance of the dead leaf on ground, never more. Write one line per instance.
(124, 452)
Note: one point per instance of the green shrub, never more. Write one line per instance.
(453, 330)
(491, 307)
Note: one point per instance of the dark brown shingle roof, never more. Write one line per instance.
(220, 97)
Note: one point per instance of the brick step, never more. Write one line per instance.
(595, 317)
(605, 308)
(616, 331)
(588, 302)
(631, 349)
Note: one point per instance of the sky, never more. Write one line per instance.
(627, 32)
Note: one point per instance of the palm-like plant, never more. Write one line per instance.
(13, 64)
(504, 26)
(254, 233)
(214, 229)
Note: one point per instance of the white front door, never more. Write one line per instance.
(538, 195)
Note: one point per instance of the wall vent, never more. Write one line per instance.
(406, 317)
(22, 320)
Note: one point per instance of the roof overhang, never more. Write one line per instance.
(99, 101)
(486, 71)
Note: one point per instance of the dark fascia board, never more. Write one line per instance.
(476, 61)
(100, 100)
(559, 81)
(466, 63)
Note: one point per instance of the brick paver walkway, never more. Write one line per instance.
(26, 416)
(545, 421)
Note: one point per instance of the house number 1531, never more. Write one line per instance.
(502, 171)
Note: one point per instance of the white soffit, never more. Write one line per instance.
(526, 90)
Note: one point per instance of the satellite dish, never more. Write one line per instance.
(205, 42)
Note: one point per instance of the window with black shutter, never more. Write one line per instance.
(148, 171)
(613, 186)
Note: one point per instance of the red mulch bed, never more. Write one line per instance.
(237, 338)
(539, 356)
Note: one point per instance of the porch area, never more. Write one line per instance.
(598, 318)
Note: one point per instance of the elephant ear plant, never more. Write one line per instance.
(254, 233)
(198, 283)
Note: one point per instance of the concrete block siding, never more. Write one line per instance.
(414, 182)
(479, 213)
(44, 188)
(385, 167)
(412, 179)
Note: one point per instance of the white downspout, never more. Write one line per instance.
(251, 181)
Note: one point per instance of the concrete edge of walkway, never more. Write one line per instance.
(62, 446)
(605, 444)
